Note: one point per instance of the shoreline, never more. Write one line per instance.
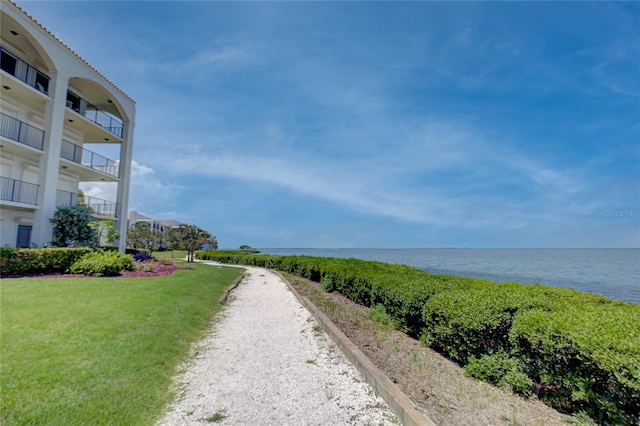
(612, 275)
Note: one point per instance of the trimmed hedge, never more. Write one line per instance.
(40, 260)
(584, 357)
(476, 320)
(579, 352)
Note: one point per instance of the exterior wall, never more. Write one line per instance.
(156, 224)
(9, 222)
(52, 167)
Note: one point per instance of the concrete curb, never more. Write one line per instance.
(399, 403)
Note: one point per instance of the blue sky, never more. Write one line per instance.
(390, 124)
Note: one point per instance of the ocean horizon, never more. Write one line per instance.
(611, 272)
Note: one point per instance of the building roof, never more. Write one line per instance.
(170, 223)
(70, 49)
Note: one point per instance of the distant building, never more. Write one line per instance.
(54, 106)
(160, 225)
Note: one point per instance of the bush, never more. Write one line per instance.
(166, 261)
(585, 357)
(500, 370)
(328, 281)
(72, 226)
(102, 264)
(143, 256)
(38, 261)
(476, 320)
(145, 266)
(379, 314)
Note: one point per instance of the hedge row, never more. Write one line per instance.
(40, 260)
(577, 351)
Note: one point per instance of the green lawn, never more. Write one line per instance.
(96, 351)
(177, 255)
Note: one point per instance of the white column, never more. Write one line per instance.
(50, 161)
(126, 157)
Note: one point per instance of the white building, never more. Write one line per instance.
(161, 225)
(54, 107)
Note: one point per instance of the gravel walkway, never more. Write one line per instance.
(266, 362)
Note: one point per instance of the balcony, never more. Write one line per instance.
(100, 208)
(19, 131)
(18, 191)
(87, 158)
(23, 71)
(92, 113)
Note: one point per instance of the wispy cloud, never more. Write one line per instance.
(148, 193)
(501, 122)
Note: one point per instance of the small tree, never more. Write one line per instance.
(189, 238)
(72, 227)
(140, 235)
(245, 247)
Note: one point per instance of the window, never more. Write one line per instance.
(9, 63)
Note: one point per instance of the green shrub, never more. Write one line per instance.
(501, 370)
(328, 281)
(72, 226)
(404, 291)
(476, 320)
(10, 261)
(584, 358)
(40, 260)
(102, 264)
(167, 261)
(379, 314)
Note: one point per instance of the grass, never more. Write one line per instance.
(218, 416)
(100, 350)
(177, 255)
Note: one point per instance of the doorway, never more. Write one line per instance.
(24, 236)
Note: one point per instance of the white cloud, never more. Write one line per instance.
(148, 194)
(319, 180)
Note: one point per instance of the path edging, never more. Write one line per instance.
(224, 297)
(399, 403)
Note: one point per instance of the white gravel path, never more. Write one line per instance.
(267, 362)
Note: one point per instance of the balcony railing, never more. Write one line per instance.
(97, 206)
(80, 155)
(95, 114)
(23, 71)
(19, 131)
(19, 191)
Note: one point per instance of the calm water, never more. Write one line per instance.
(614, 273)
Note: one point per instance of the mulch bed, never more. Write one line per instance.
(159, 270)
